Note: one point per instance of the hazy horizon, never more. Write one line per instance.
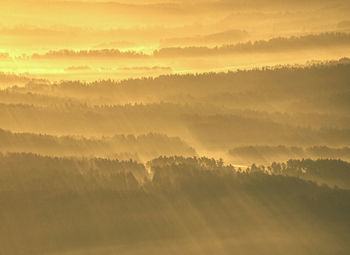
(174, 127)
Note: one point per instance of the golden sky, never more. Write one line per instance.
(38, 27)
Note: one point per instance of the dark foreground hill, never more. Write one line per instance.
(173, 206)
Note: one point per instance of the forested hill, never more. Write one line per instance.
(106, 203)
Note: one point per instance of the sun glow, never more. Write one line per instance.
(174, 127)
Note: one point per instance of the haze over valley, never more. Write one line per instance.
(174, 127)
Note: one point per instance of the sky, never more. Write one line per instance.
(37, 27)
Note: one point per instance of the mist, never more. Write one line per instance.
(174, 127)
